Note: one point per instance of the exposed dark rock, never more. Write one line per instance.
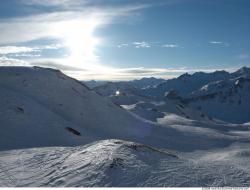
(19, 109)
(116, 162)
(75, 132)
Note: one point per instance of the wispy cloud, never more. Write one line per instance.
(215, 42)
(16, 49)
(53, 3)
(146, 44)
(52, 26)
(57, 64)
(45, 25)
(99, 72)
(24, 50)
(220, 43)
(170, 46)
(25, 55)
(122, 45)
(5, 61)
(51, 46)
(142, 44)
(137, 73)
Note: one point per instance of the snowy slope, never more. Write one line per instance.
(218, 96)
(43, 107)
(93, 83)
(185, 83)
(201, 96)
(226, 100)
(242, 72)
(119, 163)
(44, 114)
(37, 105)
(153, 110)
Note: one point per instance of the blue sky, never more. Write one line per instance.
(126, 39)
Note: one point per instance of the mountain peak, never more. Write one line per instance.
(185, 75)
(243, 71)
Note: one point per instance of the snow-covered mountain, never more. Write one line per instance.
(218, 96)
(226, 100)
(43, 107)
(94, 83)
(127, 92)
(111, 88)
(128, 87)
(243, 72)
(147, 82)
(55, 131)
(113, 163)
(185, 83)
(103, 163)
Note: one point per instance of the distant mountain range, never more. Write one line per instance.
(220, 94)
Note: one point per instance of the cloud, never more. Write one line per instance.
(16, 49)
(141, 44)
(49, 3)
(26, 51)
(99, 72)
(170, 46)
(5, 61)
(25, 55)
(220, 43)
(215, 42)
(144, 44)
(38, 26)
(137, 73)
(51, 46)
(45, 26)
(121, 74)
(56, 65)
(53, 25)
(122, 45)
(48, 63)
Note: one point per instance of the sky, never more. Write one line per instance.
(125, 39)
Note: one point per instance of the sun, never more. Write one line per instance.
(78, 37)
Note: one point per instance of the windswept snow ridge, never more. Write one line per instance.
(120, 163)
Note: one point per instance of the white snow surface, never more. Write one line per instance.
(55, 131)
(125, 164)
(37, 105)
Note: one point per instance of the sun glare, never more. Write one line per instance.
(78, 37)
